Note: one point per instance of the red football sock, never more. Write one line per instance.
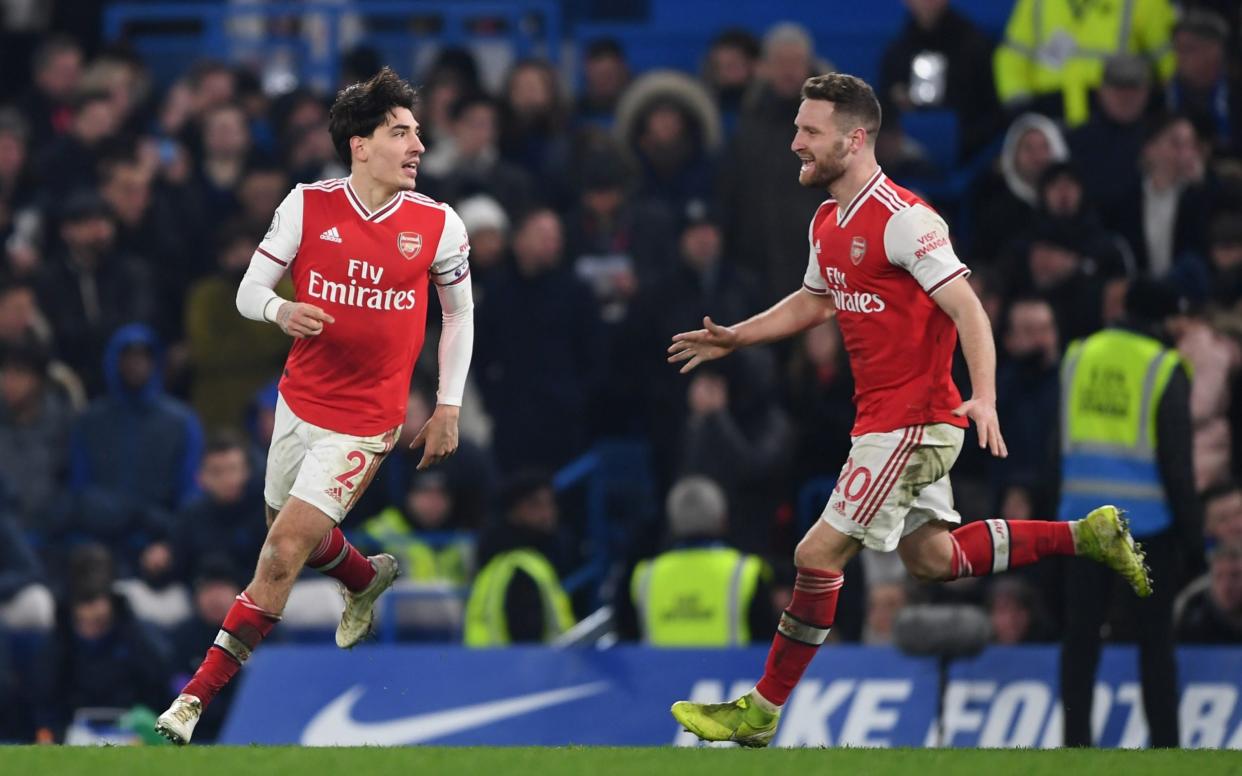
(337, 558)
(990, 546)
(803, 627)
(244, 627)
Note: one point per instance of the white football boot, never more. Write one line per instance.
(359, 615)
(177, 724)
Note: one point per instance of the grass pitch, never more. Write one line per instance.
(592, 761)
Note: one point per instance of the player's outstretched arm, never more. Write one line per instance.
(795, 313)
(974, 329)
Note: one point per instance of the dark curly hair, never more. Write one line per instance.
(362, 107)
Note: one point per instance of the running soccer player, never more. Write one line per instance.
(882, 263)
(361, 251)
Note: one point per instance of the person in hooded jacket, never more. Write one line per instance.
(1006, 200)
(133, 454)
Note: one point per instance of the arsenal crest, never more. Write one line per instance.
(410, 243)
(858, 249)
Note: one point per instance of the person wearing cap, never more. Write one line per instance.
(1112, 139)
(1201, 86)
(1053, 53)
(700, 592)
(1126, 439)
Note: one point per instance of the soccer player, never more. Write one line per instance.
(361, 251)
(882, 263)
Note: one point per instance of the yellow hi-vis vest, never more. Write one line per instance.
(1061, 45)
(486, 625)
(420, 560)
(696, 597)
(1111, 386)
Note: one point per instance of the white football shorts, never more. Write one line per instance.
(326, 469)
(894, 483)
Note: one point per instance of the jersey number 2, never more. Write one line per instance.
(360, 461)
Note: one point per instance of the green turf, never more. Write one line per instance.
(590, 761)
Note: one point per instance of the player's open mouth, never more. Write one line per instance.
(410, 167)
(807, 163)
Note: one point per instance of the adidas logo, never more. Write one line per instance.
(334, 492)
(331, 235)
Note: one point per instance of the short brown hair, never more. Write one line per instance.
(361, 108)
(853, 97)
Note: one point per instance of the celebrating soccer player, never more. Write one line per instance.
(361, 250)
(882, 263)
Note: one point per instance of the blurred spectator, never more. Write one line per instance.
(34, 437)
(1055, 269)
(729, 72)
(454, 75)
(533, 126)
(539, 375)
(941, 60)
(605, 76)
(1062, 199)
(122, 497)
(700, 592)
(1006, 199)
(26, 603)
(469, 473)
(764, 210)
(821, 400)
(487, 223)
(1167, 215)
(1222, 513)
(260, 192)
(421, 534)
(102, 656)
(1212, 614)
(57, 68)
(1052, 54)
(15, 174)
(517, 596)
(670, 123)
(1016, 612)
(884, 601)
(1225, 256)
(71, 160)
(124, 79)
(1028, 388)
(1215, 361)
(226, 153)
(737, 434)
(1201, 86)
(230, 357)
(1107, 146)
(617, 241)
(227, 517)
(216, 583)
(89, 288)
(466, 161)
(698, 282)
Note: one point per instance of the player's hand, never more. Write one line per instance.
(300, 320)
(438, 436)
(987, 426)
(711, 342)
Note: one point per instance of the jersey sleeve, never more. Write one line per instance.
(917, 240)
(283, 237)
(452, 262)
(813, 280)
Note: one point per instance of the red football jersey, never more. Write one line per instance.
(369, 271)
(882, 258)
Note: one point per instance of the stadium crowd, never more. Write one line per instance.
(136, 403)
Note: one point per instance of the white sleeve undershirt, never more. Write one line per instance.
(256, 291)
(456, 340)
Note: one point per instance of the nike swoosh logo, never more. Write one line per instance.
(335, 725)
